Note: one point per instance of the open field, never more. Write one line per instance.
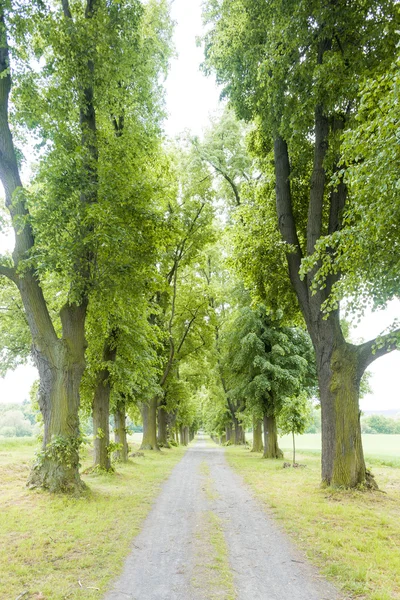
(352, 536)
(379, 448)
(57, 548)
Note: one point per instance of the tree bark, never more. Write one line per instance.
(228, 429)
(101, 411)
(57, 468)
(149, 416)
(257, 436)
(239, 433)
(186, 434)
(343, 462)
(120, 432)
(271, 448)
(162, 438)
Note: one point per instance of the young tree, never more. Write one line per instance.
(295, 416)
(294, 68)
(266, 362)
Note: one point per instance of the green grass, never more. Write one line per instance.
(212, 572)
(65, 548)
(353, 536)
(379, 449)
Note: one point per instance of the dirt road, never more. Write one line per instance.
(207, 538)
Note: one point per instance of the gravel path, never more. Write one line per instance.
(164, 562)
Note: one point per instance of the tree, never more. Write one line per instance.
(293, 69)
(90, 101)
(266, 363)
(179, 304)
(295, 416)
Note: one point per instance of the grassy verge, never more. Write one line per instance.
(212, 573)
(353, 536)
(58, 548)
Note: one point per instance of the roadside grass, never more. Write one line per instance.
(352, 536)
(59, 548)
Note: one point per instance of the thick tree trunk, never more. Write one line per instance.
(271, 448)
(57, 468)
(186, 434)
(120, 432)
(343, 462)
(257, 436)
(239, 433)
(228, 429)
(162, 438)
(149, 416)
(222, 439)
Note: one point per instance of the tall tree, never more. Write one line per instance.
(294, 69)
(74, 85)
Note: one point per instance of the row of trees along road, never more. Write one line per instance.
(295, 71)
(127, 288)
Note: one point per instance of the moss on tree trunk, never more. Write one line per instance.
(257, 436)
(343, 462)
(61, 370)
(149, 416)
(271, 448)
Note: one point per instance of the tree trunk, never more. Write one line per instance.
(222, 439)
(186, 434)
(342, 453)
(239, 433)
(162, 438)
(101, 411)
(57, 468)
(271, 448)
(182, 435)
(120, 432)
(228, 429)
(257, 436)
(149, 416)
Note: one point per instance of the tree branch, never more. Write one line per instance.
(8, 272)
(286, 222)
(380, 346)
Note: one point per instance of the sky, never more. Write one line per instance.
(191, 99)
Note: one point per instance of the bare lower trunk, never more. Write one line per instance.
(239, 432)
(182, 435)
(101, 412)
(343, 462)
(222, 439)
(149, 416)
(271, 448)
(57, 467)
(162, 438)
(121, 454)
(257, 436)
(186, 434)
(228, 429)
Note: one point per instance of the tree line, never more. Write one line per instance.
(196, 282)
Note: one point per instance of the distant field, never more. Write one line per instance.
(379, 444)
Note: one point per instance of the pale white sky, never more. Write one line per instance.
(191, 99)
